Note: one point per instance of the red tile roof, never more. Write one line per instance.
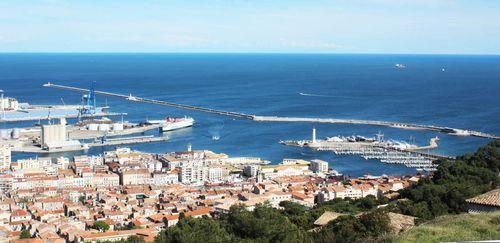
(491, 198)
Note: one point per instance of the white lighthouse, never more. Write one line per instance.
(314, 135)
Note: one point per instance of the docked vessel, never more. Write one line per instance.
(170, 124)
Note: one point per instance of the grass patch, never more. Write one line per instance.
(462, 227)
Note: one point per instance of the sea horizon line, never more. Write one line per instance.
(242, 53)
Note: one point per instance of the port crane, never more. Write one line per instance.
(89, 101)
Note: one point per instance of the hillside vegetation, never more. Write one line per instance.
(449, 228)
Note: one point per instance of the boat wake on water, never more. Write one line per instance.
(327, 96)
(215, 131)
(314, 95)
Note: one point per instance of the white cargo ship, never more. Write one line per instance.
(170, 124)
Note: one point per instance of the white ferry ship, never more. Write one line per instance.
(173, 123)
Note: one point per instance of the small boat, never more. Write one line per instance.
(85, 146)
(399, 65)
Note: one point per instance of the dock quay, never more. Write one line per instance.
(400, 125)
(129, 140)
(108, 142)
(76, 133)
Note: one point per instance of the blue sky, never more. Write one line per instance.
(318, 26)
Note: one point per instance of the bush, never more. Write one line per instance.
(264, 224)
(453, 182)
(376, 223)
(100, 225)
(25, 234)
(368, 227)
(195, 230)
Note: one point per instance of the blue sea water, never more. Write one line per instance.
(465, 95)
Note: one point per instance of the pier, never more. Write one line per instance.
(432, 145)
(410, 126)
(152, 101)
(129, 140)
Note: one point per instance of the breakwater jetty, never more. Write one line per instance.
(400, 125)
(409, 126)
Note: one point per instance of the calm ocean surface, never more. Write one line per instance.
(466, 95)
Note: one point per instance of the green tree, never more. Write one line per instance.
(100, 225)
(367, 228)
(376, 222)
(455, 181)
(292, 209)
(419, 210)
(264, 224)
(25, 234)
(368, 202)
(135, 239)
(195, 230)
(347, 229)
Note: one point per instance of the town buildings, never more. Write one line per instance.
(5, 157)
(319, 166)
(138, 193)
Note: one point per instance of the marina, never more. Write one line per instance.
(391, 152)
